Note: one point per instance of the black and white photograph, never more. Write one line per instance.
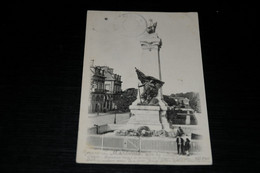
(143, 98)
(129, 87)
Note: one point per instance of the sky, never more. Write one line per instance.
(112, 39)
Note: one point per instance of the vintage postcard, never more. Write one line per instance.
(143, 97)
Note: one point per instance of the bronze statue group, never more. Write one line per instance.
(150, 86)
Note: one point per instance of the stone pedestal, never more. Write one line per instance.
(150, 116)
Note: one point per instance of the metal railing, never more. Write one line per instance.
(100, 90)
(139, 144)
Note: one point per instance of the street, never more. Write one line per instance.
(121, 118)
(108, 118)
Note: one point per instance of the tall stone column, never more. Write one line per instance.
(145, 114)
(150, 60)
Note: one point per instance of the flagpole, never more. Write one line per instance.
(160, 75)
(139, 93)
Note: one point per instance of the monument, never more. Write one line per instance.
(149, 109)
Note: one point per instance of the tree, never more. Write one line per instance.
(169, 100)
(193, 98)
(172, 95)
(125, 99)
(195, 102)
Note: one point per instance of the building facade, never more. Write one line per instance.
(105, 89)
(98, 94)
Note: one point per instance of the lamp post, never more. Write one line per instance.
(115, 114)
(98, 109)
(96, 128)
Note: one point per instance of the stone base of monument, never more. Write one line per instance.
(146, 115)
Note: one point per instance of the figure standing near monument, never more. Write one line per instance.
(187, 146)
(182, 146)
(178, 141)
(180, 132)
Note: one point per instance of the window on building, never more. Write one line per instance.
(107, 87)
(95, 85)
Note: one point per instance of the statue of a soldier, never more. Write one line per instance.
(150, 86)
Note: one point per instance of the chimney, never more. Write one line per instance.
(110, 70)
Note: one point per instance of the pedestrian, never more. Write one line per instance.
(180, 132)
(187, 146)
(182, 146)
(178, 141)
